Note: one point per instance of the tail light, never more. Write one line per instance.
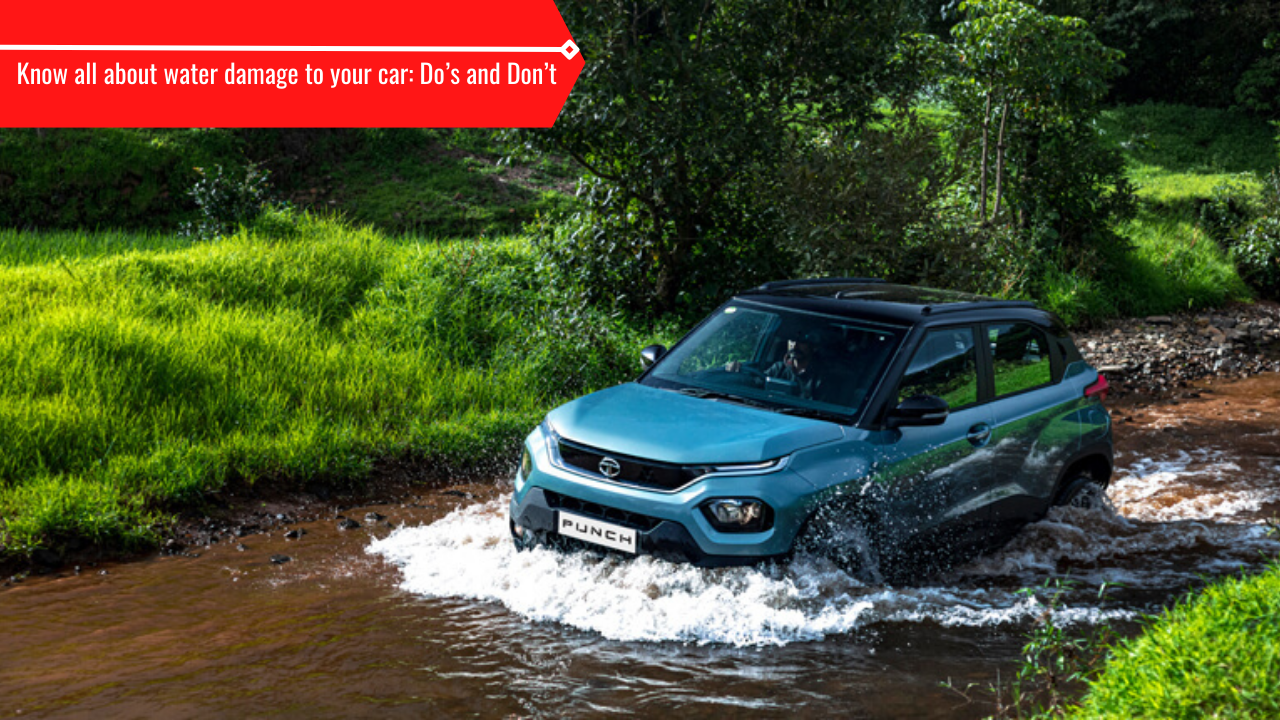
(1098, 389)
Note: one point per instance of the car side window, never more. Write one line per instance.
(1019, 357)
(944, 365)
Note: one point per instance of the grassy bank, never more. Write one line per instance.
(1179, 159)
(1216, 654)
(138, 374)
(402, 180)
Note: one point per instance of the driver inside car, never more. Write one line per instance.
(800, 367)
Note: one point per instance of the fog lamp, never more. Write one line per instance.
(526, 464)
(738, 515)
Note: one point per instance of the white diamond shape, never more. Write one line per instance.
(569, 49)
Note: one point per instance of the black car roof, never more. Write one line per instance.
(875, 299)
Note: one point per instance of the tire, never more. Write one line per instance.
(1084, 492)
(841, 535)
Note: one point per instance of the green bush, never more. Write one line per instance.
(1227, 211)
(1256, 250)
(225, 200)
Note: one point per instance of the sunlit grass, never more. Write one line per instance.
(1216, 654)
(134, 383)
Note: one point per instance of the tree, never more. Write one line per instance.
(1016, 66)
(682, 116)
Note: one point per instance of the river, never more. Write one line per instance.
(430, 612)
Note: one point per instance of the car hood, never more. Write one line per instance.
(667, 426)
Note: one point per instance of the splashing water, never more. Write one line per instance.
(1171, 521)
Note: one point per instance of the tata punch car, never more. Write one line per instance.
(856, 417)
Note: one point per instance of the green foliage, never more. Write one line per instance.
(854, 199)
(1195, 52)
(134, 383)
(438, 182)
(226, 200)
(1215, 654)
(1179, 140)
(1028, 83)
(1256, 250)
(411, 181)
(1259, 88)
(122, 178)
(682, 115)
(1226, 211)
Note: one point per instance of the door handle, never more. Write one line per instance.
(979, 434)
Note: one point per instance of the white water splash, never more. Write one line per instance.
(469, 554)
(1170, 522)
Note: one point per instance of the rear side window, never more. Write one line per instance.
(1020, 358)
(946, 365)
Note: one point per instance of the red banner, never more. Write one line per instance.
(236, 63)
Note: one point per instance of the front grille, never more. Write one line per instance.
(632, 471)
(635, 521)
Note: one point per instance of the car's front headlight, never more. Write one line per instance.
(738, 515)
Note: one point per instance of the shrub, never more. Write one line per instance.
(1256, 251)
(226, 200)
(1227, 210)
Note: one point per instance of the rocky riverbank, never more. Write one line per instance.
(1161, 356)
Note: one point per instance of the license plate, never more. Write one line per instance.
(595, 531)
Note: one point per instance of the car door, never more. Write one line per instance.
(1032, 437)
(933, 477)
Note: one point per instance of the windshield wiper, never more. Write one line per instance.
(815, 413)
(704, 394)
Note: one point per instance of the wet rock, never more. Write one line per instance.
(280, 559)
(241, 547)
(348, 524)
(374, 517)
(295, 534)
(1152, 357)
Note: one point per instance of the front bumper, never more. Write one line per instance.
(664, 539)
(668, 524)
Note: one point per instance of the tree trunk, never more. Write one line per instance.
(1004, 115)
(982, 174)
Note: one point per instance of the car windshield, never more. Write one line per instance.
(781, 359)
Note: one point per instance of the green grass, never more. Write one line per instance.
(434, 182)
(137, 375)
(108, 177)
(451, 183)
(1177, 158)
(1216, 654)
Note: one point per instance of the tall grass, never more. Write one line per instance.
(132, 384)
(1215, 654)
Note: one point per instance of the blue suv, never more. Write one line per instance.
(878, 424)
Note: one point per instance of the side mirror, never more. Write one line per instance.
(919, 410)
(651, 355)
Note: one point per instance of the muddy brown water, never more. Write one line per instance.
(437, 617)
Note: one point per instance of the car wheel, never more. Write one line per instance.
(840, 536)
(1083, 492)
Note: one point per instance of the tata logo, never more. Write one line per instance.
(610, 467)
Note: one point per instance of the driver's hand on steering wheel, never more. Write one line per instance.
(733, 365)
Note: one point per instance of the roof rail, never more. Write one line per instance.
(782, 284)
(979, 304)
